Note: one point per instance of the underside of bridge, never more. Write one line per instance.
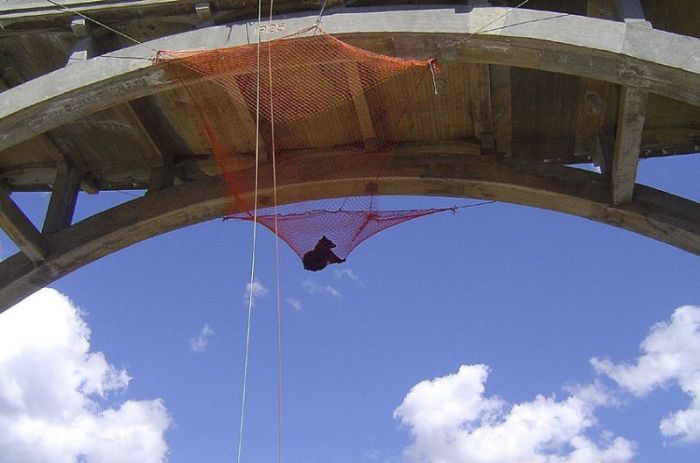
(523, 95)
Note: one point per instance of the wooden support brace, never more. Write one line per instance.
(21, 230)
(248, 118)
(161, 178)
(66, 187)
(502, 109)
(590, 117)
(628, 140)
(480, 106)
(364, 116)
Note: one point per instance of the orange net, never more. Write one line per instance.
(326, 113)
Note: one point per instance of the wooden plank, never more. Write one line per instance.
(628, 140)
(165, 139)
(480, 106)
(68, 152)
(502, 109)
(64, 197)
(364, 116)
(21, 230)
(590, 117)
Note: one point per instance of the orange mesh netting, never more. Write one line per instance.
(328, 113)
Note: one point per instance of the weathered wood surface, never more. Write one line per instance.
(21, 230)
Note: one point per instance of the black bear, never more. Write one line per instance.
(321, 255)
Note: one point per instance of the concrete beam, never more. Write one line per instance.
(628, 140)
(420, 170)
(661, 62)
(21, 230)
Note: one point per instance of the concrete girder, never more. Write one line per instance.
(418, 170)
(624, 54)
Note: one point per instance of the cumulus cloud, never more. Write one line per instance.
(50, 388)
(294, 302)
(453, 421)
(314, 287)
(347, 273)
(670, 355)
(256, 288)
(200, 342)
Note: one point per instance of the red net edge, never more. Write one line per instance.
(350, 230)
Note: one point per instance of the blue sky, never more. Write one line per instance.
(432, 334)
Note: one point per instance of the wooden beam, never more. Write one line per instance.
(628, 139)
(590, 117)
(67, 152)
(480, 106)
(364, 116)
(164, 138)
(64, 197)
(502, 109)
(161, 178)
(246, 115)
(21, 230)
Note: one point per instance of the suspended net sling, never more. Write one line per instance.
(330, 114)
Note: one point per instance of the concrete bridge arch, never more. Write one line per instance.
(631, 56)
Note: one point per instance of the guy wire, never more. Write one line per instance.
(252, 257)
(278, 310)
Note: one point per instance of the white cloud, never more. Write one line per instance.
(670, 355)
(294, 302)
(50, 384)
(347, 273)
(200, 342)
(452, 421)
(256, 288)
(314, 287)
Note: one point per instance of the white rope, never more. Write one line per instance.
(278, 311)
(252, 257)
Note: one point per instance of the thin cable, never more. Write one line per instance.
(320, 16)
(432, 72)
(278, 311)
(95, 21)
(508, 11)
(252, 257)
(467, 206)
